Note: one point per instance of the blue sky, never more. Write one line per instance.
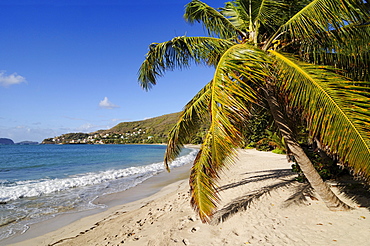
(71, 65)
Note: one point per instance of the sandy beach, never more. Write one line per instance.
(261, 205)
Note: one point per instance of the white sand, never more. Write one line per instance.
(258, 207)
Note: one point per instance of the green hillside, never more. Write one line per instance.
(153, 130)
(158, 125)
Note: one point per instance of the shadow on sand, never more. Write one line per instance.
(354, 190)
(351, 188)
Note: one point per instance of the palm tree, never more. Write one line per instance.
(309, 55)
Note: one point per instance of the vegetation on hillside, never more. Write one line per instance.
(149, 131)
(156, 129)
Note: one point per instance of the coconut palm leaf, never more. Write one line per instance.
(248, 16)
(180, 52)
(231, 98)
(219, 144)
(338, 111)
(271, 13)
(320, 16)
(344, 40)
(193, 115)
(348, 50)
(213, 21)
(236, 15)
(241, 61)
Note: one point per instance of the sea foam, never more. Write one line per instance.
(34, 188)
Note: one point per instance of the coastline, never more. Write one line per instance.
(129, 199)
(107, 201)
(260, 206)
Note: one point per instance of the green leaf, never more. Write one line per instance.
(194, 114)
(231, 98)
(338, 117)
(179, 53)
(213, 21)
(320, 16)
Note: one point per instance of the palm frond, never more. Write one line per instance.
(213, 21)
(338, 110)
(320, 16)
(236, 15)
(348, 50)
(248, 16)
(194, 113)
(271, 13)
(179, 53)
(231, 97)
(204, 197)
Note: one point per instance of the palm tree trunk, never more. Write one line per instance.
(313, 177)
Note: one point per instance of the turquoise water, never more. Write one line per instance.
(40, 181)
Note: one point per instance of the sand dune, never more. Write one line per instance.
(261, 205)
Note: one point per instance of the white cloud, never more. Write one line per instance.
(12, 79)
(105, 103)
(88, 127)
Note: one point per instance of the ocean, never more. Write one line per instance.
(38, 182)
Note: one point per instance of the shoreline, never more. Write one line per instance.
(108, 201)
(130, 199)
(259, 205)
